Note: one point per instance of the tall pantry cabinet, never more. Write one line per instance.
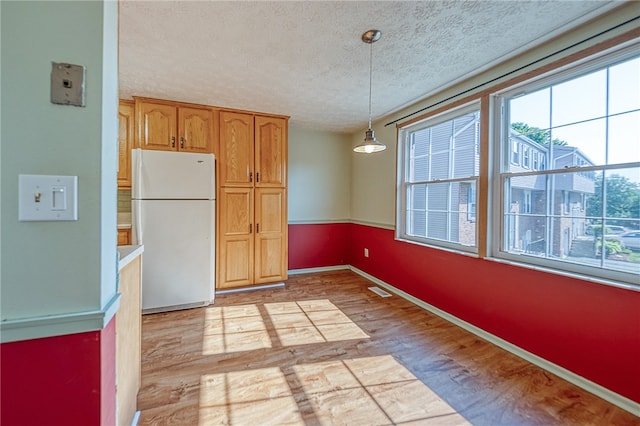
(252, 245)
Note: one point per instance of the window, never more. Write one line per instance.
(471, 203)
(582, 124)
(515, 152)
(438, 167)
(525, 157)
(526, 204)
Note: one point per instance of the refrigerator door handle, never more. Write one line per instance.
(136, 180)
(139, 223)
(136, 214)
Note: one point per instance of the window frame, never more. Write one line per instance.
(403, 156)
(489, 220)
(501, 155)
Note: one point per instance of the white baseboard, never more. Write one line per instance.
(252, 288)
(321, 269)
(594, 388)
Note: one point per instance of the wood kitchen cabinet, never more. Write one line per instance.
(236, 238)
(253, 150)
(126, 128)
(236, 161)
(252, 233)
(172, 126)
(271, 151)
(253, 236)
(124, 237)
(270, 245)
(128, 341)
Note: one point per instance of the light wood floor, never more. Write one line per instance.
(325, 350)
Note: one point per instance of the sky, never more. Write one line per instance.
(569, 104)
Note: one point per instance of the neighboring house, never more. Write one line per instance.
(434, 216)
(530, 217)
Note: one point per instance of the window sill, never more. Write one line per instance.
(577, 276)
(437, 247)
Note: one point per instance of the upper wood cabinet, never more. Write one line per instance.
(253, 150)
(236, 160)
(271, 151)
(157, 126)
(195, 127)
(126, 128)
(174, 127)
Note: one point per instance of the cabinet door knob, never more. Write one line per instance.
(257, 176)
(181, 141)
(257, 228)
(250, 228)
(173, 141)
(250, 176)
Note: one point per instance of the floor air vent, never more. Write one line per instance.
(380, 292)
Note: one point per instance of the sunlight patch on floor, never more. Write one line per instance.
(234, 329)
(311, 321)
(361, 391)
(252, 397)
(242, 328)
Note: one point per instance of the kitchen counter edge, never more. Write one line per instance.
(128, 254)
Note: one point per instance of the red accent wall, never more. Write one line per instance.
(318, 245)
(590, 329)
(62, 380)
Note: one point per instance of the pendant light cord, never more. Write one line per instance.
(370, 72)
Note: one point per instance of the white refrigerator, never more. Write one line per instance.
(173, 215)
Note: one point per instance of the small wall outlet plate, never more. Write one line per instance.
(67, 84)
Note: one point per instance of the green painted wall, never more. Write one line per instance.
(319, 176)
(50, 268)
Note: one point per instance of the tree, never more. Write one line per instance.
(536, 134)
(623, 198)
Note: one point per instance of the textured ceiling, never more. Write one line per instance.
(305, 59)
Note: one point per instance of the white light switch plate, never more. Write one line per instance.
(47, 198)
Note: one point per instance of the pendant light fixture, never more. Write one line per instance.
(370, 143)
